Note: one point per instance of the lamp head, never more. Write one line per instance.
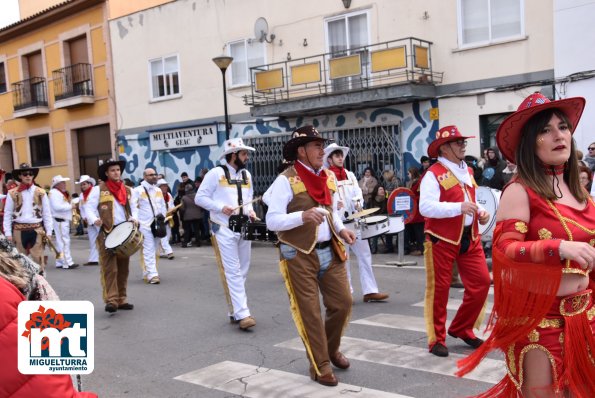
(223, 62)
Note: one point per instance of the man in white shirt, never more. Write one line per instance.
(311, 235)
(351, 200)
(223, 192)
(27, 215)
(62, 213)
(447, 201)
(87, 183)
(148, 198)
(107, 206)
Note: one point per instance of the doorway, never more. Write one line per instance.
(94, 144)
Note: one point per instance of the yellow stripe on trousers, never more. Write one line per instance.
(430, 289)
(295, 313)
(222, 273)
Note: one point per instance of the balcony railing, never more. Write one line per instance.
(73, 81)
(30, 93)
(393, 62)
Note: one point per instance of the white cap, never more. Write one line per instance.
(161, 182)
(58, 179)
(86, 178)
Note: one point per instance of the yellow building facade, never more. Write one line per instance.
(55, 91)
(116, 8)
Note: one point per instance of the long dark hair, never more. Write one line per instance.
(529, 167)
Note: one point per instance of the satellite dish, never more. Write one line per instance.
(261, 30)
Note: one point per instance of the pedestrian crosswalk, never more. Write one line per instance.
(407, 357)
(251, 380)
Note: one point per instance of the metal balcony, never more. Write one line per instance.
(374, 69)
(73, 85)
(29, 97)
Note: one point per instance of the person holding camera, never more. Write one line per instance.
(148, 198)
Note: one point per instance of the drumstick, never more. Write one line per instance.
(247, 203)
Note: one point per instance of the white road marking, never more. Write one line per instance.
(257, 382)
(403, 322)
(416, 358)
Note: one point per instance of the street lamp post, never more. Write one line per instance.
(223, 62)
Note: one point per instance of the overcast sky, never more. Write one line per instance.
(9, 12)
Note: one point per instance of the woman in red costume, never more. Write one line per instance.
(543, 255)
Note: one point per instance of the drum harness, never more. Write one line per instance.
(236, 221)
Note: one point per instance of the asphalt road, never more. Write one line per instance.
(178, 342)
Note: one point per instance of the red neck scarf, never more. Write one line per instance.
(167, 198)
(118, 189)
(315, 184)
(86, 192)
(23, 187)
(340, 172)
(66, 195)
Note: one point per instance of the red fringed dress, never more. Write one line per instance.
(527, 314)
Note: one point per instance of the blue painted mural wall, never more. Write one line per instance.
(417, 129)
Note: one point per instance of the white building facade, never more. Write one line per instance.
(418, 66)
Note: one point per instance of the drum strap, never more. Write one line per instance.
(238, 184)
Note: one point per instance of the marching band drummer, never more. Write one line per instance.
(62, 213)
(108, 204)
(87, 183)
(223, 190)
(351, 201)
(27, 212)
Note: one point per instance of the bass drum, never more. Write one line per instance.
(489, 199)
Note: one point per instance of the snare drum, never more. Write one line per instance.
(395, 225)
(258, 231)
(124, 239)
(373, 226)
(489, 199)
(350, 225)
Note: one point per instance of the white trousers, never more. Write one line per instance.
(165, 242)
(92, 232)
(235, 255)
(62, 230)
(364, 260)
(149, 256)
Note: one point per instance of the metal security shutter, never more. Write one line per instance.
(376, 147)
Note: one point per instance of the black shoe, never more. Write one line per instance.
(110, 308)
(91, 263)
(126, 306)
(71, 266)
(439, 350)
(475, 342)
